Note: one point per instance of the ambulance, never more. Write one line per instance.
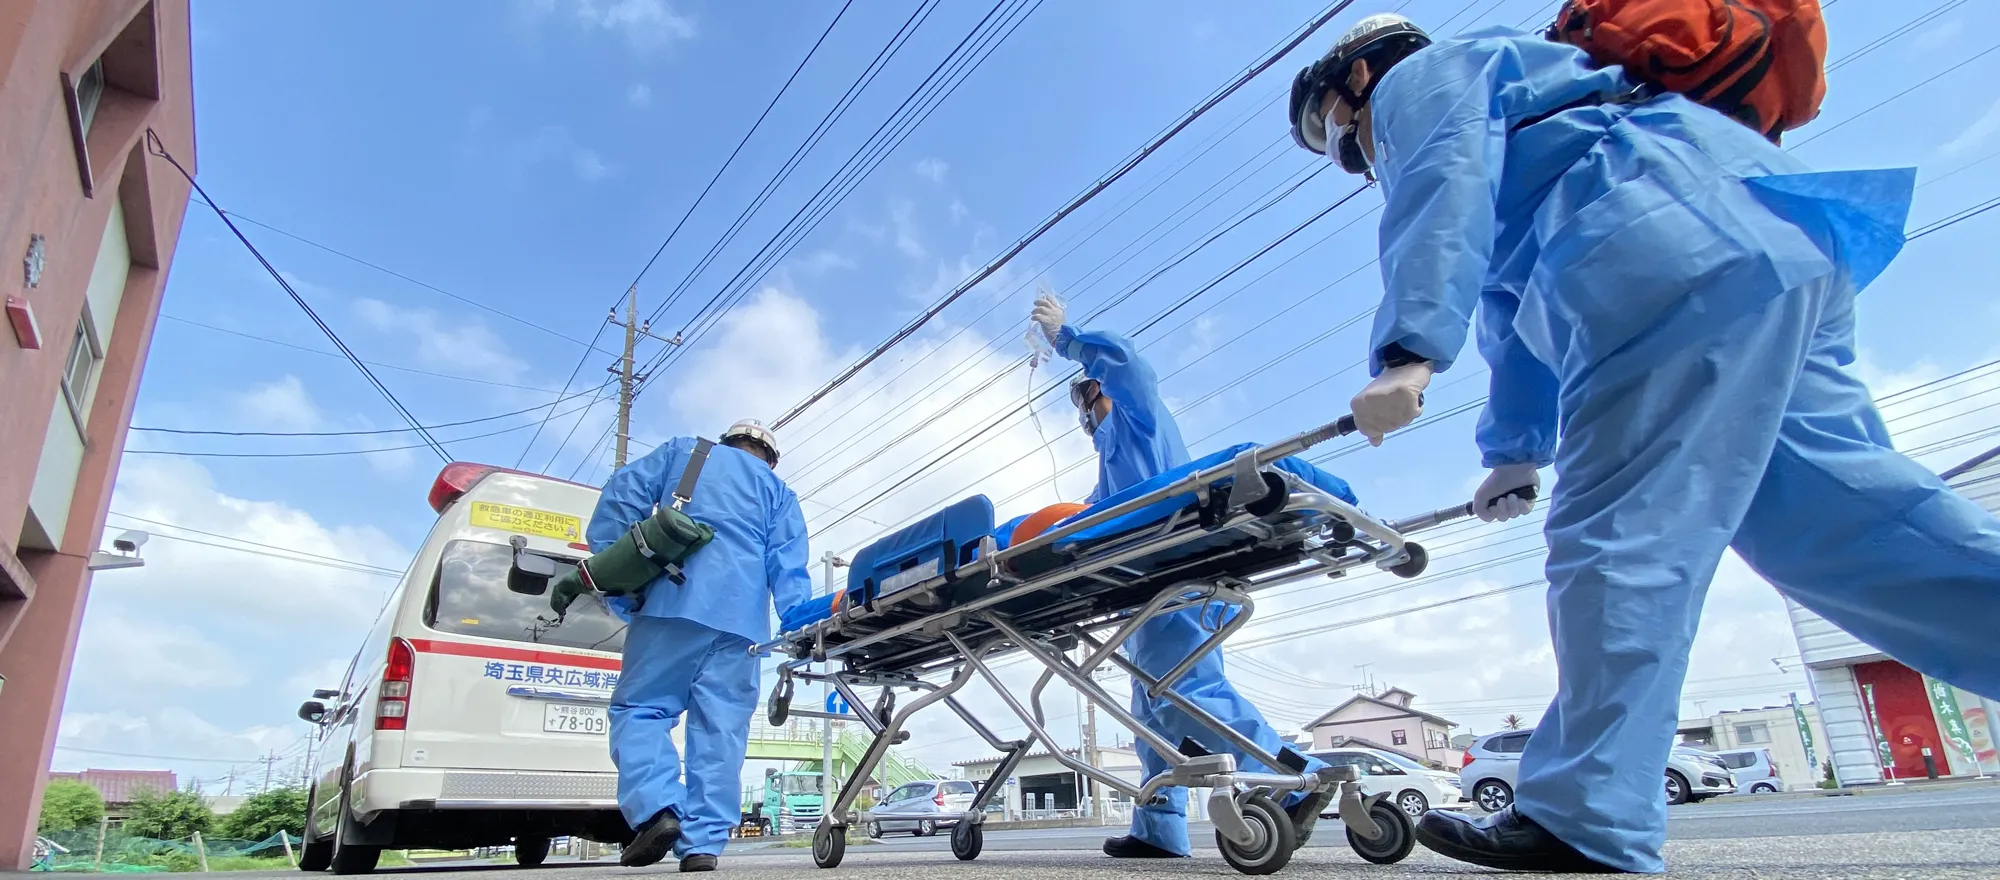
(470, 717)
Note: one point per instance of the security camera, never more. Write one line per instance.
(130, 541)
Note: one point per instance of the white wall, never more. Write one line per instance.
(62, 446)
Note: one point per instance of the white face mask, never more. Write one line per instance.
(1087, 417)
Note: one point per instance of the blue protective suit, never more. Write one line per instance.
(688, 649)
(1138, 441)
(1673, 296)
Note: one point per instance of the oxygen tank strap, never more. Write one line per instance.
(684, 492)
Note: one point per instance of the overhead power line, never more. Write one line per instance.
(338, 452)
(338, 356)
(1089, 193)
(370, 433)
(158, 148)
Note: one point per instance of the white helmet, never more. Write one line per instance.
(753, 430)
(1384, 39)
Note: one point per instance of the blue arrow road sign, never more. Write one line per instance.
(835, 705)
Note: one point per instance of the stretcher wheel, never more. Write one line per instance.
(781, 704)
(829, 845)
(967, 839)
(1398, 835)
(1273, 502)
(1272, 840)
(1413, 566)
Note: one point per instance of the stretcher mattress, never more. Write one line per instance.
(923, 534)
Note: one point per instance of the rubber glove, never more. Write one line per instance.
(1392, 401)
(1492, 503)
(1049, 315)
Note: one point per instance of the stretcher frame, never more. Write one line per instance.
(1299, 532)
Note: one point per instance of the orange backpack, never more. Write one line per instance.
(1760, 62)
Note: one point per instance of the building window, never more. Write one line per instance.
(89, 90)
(84, 356)
(1753, 732)
(1399, 737)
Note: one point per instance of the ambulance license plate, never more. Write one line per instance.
(588, 720)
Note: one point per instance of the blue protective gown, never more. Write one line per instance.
(1673, 296)
(688, 649)
(1138, 441)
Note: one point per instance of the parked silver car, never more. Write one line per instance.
(1493, 762)
(921, 808)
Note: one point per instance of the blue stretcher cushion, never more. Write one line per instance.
(921, 550)
(1164, 508)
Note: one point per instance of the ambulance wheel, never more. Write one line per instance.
(1398, 835)
(1271, 838)
(967, 840)
(829, 845)
(1413, 566)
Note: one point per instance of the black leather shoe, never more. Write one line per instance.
(1506, 840)
(1305, 814)
(697, 862)
(655, 839)
(1129, 847)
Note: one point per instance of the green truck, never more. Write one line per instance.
(789, 802)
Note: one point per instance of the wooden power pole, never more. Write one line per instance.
(625, 376)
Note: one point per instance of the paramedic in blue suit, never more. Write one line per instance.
(1119, 406)
(687, 653)
(1671, 296)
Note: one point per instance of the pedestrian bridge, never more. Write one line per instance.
(802, 740)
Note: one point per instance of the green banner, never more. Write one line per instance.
(1944, 704)
(1881, 741)
(1806, 738)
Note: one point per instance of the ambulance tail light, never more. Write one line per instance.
(392, 704)
(459, 477)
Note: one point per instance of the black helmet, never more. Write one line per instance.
(1381, 39)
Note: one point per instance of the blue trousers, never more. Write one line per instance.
(1756, 437)
(677, 667)
(1155, 648)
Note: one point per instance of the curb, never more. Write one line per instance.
(1873, 790)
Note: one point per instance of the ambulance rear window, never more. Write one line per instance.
(470, 597)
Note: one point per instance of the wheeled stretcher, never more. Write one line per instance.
(946, 596)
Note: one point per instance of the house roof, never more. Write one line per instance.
(123, 786)
(1400, 711)
(1355, 742)
(1044, 753)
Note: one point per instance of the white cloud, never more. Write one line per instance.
(1933, 39)
(932, 169)
(639, 95)
(464, 345)
(958, 210)
(822, 260)
(648, 25)
(1974, 135)
(902, 217)
(280, 405)
(555, 143)
(155, 654)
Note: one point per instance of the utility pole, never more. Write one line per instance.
(269, 761)
(1090, 757)
(628, 382)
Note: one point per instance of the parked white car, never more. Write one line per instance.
(1753, 769)
(1494, 761)
(1414, 787)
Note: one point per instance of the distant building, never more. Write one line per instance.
(1042, 787)
(1872, 705)
(1388, 722)
(1772, 728)
(121, 788)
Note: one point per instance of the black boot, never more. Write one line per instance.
(1129, 847)
(1506, 840)
(655, 839)
(697, 862)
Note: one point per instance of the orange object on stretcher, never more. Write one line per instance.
(1041, 520)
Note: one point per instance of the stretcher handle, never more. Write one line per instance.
(1448, 514)
(1525, 493)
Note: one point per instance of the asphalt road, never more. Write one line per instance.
(1937, 835)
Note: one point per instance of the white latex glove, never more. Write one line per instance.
(1492, 503)
(1049, 315)
(1392, 401)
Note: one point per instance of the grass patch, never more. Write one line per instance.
(854, 838)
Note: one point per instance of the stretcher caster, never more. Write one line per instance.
(1272, 839)
(1397, 836)
(1413, 566)
(780, 703)
(967, 839)
(829, 845)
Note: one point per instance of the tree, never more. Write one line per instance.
(168, 815)
(68, 805)
(262, 815)
(1512, 722)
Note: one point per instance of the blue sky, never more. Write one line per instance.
(530, 155)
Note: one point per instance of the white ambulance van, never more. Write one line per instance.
(468, 718)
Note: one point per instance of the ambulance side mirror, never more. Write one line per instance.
(312, 711)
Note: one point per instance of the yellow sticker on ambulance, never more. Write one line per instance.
(527, 521)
